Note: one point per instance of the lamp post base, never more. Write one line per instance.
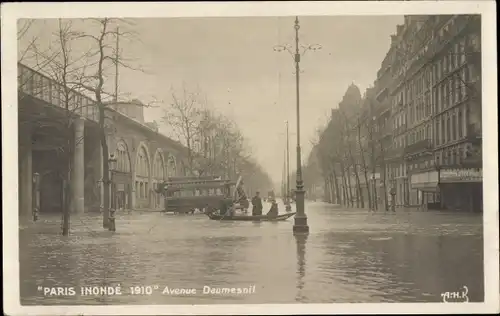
(300, 226)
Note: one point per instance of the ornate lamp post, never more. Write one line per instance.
(112, 168)
(36, 196)
(288, 207)
(300, 225)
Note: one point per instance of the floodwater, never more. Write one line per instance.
(349, 256)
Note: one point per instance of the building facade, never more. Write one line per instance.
(431, 80)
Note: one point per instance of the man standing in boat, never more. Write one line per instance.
(256, 204)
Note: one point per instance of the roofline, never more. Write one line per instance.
(143, 126)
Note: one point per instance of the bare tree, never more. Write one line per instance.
(348, 131)
(31, 52)
(215, 144)
(61, 67)
(103, 57)
(361, 121)
(184, 115)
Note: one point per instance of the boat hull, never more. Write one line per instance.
(258, 218)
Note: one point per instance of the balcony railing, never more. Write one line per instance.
(439, 43)
(420, 146)
(41, 87)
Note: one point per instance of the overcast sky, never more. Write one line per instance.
(233, 62)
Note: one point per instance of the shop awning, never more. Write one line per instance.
(426, 187)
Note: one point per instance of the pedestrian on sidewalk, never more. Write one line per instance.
(112, 223)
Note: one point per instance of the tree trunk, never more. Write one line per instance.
(384, 183)
(66, 182)
(365, 171)
(348, 197)
(331, 193)
(371, 202)
(359, 195)
(327, 197)
(356, 179)
(347, 182)
(336, 186)
(66, 201)
(66, 208)
(105, 169)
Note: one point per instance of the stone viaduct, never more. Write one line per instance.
(144, 156)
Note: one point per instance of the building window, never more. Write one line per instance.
(443, 131)
(443, 96)
(453, 98)
(453, 127)
(437, 132)
(462, 50)
(448, 128)
(452, 60)
(460, 124)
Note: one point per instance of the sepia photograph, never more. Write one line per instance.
(210, 158)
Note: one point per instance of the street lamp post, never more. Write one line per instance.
(300, 225)
(112, 168)
(288, 207)
(36, 196)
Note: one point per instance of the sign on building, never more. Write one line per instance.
(461, 175)
(424, 180)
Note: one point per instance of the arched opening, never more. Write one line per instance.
(122, 177)
(142, 176)
(171, 167)
(51, 193)
(158, 175)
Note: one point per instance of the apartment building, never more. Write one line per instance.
(429, 89)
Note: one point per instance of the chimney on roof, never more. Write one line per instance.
(153, 125)
(394, 39)
(399, 29)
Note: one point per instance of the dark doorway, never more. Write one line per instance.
(50, 193)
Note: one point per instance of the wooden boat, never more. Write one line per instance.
(250, 218)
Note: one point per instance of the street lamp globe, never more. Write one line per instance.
(36, 177)
(112, 162)
(297, 26)
(315, 47)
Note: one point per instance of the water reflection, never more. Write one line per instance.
(301, 240)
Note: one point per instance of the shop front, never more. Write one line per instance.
(427, 186)
(462, 189)
(121, 190)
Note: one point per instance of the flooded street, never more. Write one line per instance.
(349, 256)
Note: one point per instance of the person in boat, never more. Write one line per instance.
(222, 207)
(273, 211)
(226, 209)
(256, 205)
